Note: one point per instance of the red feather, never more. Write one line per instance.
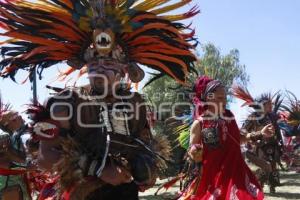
(192, 12)
(170, 183)
(243, 94)
(189, 35)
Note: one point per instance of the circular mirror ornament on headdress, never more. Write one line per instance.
(104, 41)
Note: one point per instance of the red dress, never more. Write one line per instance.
(225, 174)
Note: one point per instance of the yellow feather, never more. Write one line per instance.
(151, 4)
(84, 24)
(121, 3)
(293, 122)
(171, 7)
(90, 13)
(8, 41)
(125, 20)
(45, 6)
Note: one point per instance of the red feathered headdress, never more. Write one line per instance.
(203, 85)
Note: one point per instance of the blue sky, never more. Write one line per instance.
(266, 32)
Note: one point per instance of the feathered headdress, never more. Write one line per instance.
(292, 107)
(43, 33)
(244, 95)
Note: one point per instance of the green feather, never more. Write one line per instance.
(184, 139)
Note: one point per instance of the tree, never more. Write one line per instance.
(225, 68)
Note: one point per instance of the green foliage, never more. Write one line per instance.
(226, 68)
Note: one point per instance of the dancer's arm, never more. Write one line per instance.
(265, 132)
(195, 150)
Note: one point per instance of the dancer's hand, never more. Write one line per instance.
(116, 175)
(195, 152)
(268, 131)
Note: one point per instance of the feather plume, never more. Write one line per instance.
(242, 94)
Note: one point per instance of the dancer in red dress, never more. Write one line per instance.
(215, 139)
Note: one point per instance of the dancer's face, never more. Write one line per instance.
(268, 107)
(105, 78)
(218, 99)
